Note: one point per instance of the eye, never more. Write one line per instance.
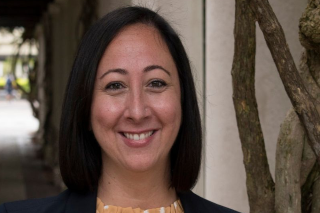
(157, 84)
(114, 86)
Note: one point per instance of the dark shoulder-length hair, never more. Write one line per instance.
(79, 152)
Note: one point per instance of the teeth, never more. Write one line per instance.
(137, 137)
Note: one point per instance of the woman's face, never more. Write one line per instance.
(136, 109)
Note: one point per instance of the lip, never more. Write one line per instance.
(138, 143)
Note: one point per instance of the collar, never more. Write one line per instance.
(79, 203)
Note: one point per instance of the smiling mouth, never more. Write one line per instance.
(139, 136)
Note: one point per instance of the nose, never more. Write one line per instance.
(137, 107)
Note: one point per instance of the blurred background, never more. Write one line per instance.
(38, 42)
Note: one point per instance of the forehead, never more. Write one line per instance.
(137, 43)
(138, 33)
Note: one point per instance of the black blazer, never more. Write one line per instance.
(71, 202)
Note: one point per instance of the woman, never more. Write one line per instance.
(130, 132)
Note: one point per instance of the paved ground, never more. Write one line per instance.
(22, 175)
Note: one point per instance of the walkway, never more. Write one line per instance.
(22, 175)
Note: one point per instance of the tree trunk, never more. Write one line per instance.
(297, 187)
(288, 165)
(307, 162)
(310, 73)
(304, 104)
(260, 186)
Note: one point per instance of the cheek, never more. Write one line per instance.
(168, 110)
(104, 114)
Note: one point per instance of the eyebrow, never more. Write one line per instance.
(153, 67)
(117, 70)
(125, 72)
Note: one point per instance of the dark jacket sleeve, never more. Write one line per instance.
(45, 205)
(2, 209)
(66, 202)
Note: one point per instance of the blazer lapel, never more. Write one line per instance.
(190, 203)
(81, 203)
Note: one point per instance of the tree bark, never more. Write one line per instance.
(288, 165)
(316, 196)
(309, 191)
(302, 101)
(310, 73)
(310, 78)
(310, 28)
(307, 162)
(260, 186)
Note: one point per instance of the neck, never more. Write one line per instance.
(145, 190)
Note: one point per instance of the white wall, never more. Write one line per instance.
(106, 6)
(225, 177)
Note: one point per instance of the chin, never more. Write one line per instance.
(140, 165)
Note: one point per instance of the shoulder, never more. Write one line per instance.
(194, 203)
(48, 205)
